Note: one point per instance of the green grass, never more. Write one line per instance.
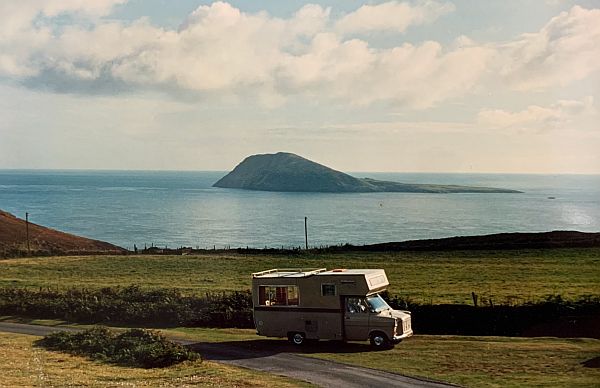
(25, 365)
(469, 361)
(428, 277)
(486, 361)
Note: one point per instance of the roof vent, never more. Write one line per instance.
(338, 270)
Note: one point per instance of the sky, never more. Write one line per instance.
(399, 86)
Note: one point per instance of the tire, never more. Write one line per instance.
(297, 338)
(380, 341)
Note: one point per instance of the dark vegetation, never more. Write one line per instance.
(552, 317)
(497, 241)
(134, 347)
(289, 172)
(134, 306)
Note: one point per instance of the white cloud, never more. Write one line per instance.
(220, 49)
(566, 49)
(223, 52)
(391, 16)
(26, 29)
(561, 115)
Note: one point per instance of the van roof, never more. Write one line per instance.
(300, 273)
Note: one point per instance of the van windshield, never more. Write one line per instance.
(377, 303)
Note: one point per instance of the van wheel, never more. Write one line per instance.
(297, 338)
(380, 341)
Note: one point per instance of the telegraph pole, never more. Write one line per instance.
(306, 232)
(27, 230)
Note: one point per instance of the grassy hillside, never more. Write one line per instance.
(14, 233)
(427, 277)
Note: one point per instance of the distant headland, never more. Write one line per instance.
(289, 172)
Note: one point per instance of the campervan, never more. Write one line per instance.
(315, 304)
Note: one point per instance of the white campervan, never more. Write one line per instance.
(340, 304)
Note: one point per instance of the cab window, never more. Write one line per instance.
(356, 306)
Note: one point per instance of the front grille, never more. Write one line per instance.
(406, 325)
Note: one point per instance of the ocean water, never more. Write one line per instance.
(182, 209)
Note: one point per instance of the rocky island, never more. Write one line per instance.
(289, 172)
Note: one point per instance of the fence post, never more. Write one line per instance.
(27, 231)
(306, 232)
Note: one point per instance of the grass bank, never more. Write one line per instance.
(468, 361)
(27, 365)
(505, 277)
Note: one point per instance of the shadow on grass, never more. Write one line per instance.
(247, 349)
(592, 363)
(32, 321)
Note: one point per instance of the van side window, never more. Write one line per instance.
(328, 290)
(278, 295)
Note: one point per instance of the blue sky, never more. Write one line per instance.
(426, 86)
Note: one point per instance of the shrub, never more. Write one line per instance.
(135, 347)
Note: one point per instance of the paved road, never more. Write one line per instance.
(278, 360)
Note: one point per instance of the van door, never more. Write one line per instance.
(356, 318)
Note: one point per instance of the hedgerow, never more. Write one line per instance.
(164, 307)
(130, 305)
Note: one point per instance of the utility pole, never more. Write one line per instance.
(27, 230)
(306, 232)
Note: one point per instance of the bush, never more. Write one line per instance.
(135, 347)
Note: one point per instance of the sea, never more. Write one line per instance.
(174, 208)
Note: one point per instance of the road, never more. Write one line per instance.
(280, 360)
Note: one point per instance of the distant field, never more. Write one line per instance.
(436, 277)
(24, 365)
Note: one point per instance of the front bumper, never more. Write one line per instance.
(397, 338)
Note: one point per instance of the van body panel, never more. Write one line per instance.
(314, 324)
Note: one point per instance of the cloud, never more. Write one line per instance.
(556, 116)
(221, 52)
(391, 16)
(566, 49)
(26, 30)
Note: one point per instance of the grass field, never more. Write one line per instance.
(427, 277)
(24, 365)
(469, 361)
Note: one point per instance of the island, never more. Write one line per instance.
(289, 172)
